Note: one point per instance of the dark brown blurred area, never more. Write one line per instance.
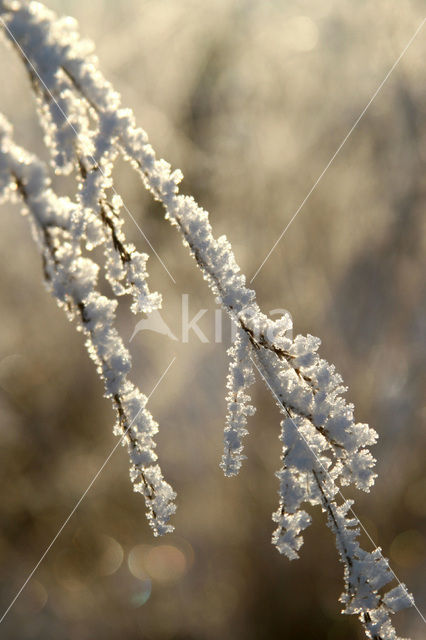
(250, 100)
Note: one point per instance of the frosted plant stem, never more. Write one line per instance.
(323, 447)
(60, 228)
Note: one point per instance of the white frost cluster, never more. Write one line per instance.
(59, 227)
(324, 449)
(240, 377)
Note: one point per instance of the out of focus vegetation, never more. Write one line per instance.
(250, 99)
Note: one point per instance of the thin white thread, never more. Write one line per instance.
(333, 157)
(411, 598)
(81, 499)
(89, 156)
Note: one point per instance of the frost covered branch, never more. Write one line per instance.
(324, 449)
(60, 227)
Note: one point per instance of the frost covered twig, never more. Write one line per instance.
(59, 227)
(324, 448)
(240, 377)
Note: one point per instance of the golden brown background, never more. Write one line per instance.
(250, 99)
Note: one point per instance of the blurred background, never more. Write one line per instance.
(250, 99)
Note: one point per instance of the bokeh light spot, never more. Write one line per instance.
(142, 596)
(166, 563)
(33, 599)
(300, 33)
(111, 556)
(136, 561)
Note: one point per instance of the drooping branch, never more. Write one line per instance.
(59, 227)
(324, 448)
